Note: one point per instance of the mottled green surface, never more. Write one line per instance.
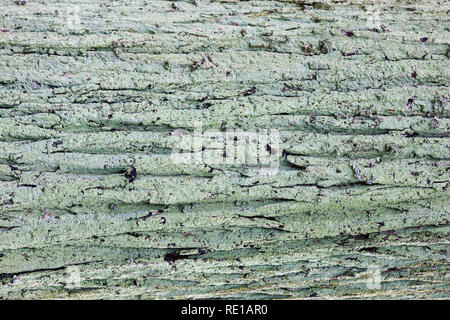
(363, 180)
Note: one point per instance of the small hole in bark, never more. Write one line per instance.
(131, 174)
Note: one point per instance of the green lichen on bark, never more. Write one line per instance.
(90, 104)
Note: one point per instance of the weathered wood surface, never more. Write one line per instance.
(92, 91)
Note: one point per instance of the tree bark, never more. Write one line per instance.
(95, 98)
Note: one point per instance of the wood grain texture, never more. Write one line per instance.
(94, 94)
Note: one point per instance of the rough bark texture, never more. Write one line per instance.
(90, 99)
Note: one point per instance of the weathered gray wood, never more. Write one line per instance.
(93, 93)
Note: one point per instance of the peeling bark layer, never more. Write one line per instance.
(92, 204)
